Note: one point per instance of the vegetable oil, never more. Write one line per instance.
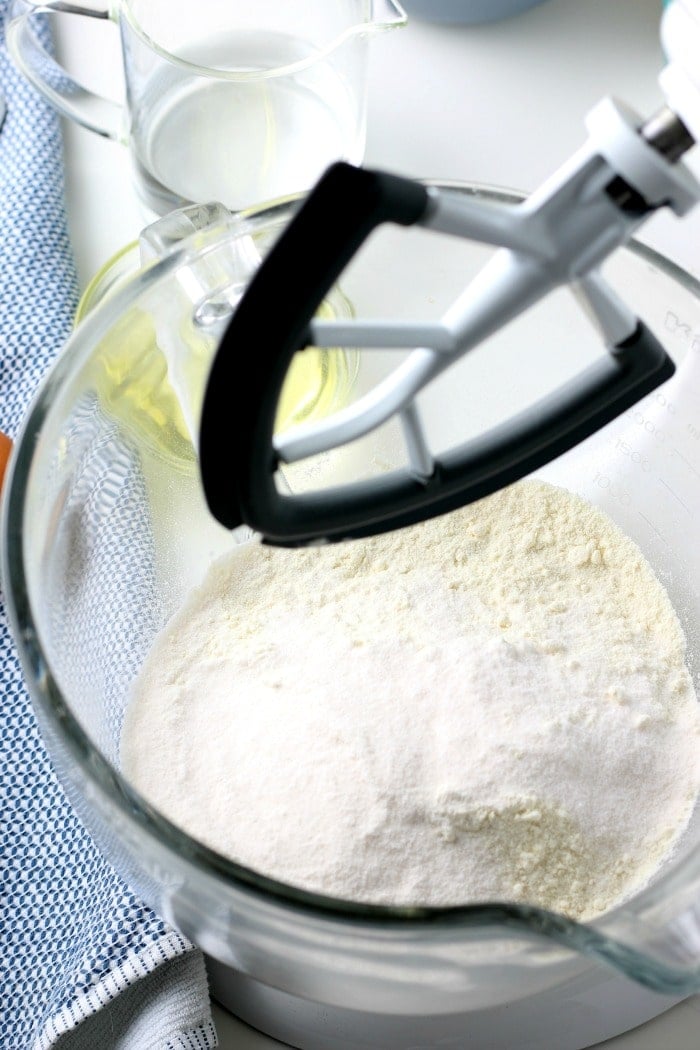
(150, 370)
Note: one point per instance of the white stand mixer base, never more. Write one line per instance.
(580, 1014)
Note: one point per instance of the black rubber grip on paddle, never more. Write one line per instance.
(271, 323)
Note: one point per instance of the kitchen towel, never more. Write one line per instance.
(84, 963)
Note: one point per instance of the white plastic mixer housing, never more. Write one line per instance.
(560, 235)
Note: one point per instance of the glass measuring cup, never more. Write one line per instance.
(235, 102)
(94, 510)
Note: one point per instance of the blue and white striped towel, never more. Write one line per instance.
(85, 965)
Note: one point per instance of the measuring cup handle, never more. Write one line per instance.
(70, 98)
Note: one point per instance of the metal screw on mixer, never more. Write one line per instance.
(667, 133)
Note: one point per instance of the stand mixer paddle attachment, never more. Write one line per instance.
(558, 236)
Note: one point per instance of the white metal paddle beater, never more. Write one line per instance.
(559, 235)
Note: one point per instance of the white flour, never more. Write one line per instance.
(494, 704)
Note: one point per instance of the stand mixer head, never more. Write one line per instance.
(559, 236)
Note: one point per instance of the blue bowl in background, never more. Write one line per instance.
(466, 12)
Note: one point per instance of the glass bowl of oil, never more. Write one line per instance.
(153, 365)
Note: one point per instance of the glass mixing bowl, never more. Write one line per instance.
(106, 529)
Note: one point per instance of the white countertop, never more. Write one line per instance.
(501, 104)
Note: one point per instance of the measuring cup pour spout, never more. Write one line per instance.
(386, 14)
(224, 100)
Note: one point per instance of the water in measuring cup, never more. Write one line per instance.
(243, 142)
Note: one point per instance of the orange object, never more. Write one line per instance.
(5, 450)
